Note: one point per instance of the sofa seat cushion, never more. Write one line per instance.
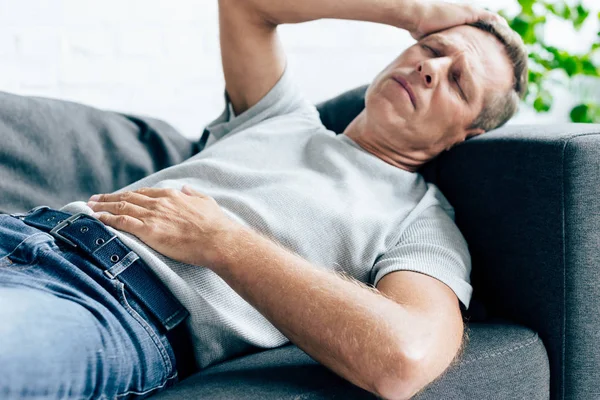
(500, 361)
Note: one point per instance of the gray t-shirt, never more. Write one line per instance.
(277, 169)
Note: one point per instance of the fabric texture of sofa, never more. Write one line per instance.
(526, 199)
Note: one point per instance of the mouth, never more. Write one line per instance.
(404, 83)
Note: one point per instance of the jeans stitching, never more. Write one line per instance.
(155, 339)
(143, 323)
(161, 386)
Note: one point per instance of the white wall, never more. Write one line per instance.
(161, 58)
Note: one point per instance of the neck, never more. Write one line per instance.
(361, 132)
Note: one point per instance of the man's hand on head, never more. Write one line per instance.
(434, 16)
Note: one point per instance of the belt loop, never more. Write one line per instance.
(122, 265)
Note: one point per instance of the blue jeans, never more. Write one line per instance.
(67, 330)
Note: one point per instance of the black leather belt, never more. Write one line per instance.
(89, 235)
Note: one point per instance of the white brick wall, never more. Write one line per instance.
(161, 58)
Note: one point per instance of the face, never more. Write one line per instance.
(425, 101)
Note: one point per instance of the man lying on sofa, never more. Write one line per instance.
(278, 230)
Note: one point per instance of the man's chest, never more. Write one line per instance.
(311, 195)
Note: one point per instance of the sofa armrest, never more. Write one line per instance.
(527, 199)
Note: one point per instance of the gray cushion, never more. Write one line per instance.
(501, 361)
(54, 152)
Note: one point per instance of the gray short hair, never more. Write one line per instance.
(500, 107)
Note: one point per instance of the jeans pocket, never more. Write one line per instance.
(160, 369)
(7, 264)
(27, 253)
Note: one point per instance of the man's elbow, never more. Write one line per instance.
(414, 369)
(403, 385)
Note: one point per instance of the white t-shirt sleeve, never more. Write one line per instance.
(283, 99)
(432, 245)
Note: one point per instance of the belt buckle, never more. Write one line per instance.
(54, 232)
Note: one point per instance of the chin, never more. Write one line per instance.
(382, 111)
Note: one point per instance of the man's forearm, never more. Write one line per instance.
(350, 328)
(400, 13)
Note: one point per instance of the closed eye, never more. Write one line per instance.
(455, 77)
(431, 50)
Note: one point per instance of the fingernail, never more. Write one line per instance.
(96, 215)
(91, 204)
(95, 197)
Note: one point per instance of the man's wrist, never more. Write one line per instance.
(409, 16)
(226, 245)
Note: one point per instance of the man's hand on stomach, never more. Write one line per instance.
(185, 225)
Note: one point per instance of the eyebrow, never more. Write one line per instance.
(468, 72)
(440, 40)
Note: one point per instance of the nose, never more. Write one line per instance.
(432, 69)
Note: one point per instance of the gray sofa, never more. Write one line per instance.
(527, 200)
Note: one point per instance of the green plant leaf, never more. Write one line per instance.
(525, 26)
(585, 113)
(535, 77)
(527, 6)
(571, 66)
(551, 8)
(588, 68)
(530, 24)
(521, 26)
(566, 12)
(543, 102)
(518, 25)
(579, 113)
(582, 14)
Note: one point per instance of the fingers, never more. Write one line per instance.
(417, 35)
(476, 13)
(123, 211)
(143, 197)
(167, 192)
(437, 16)
(501, 19)
(136, 198)
(486, 14)
(190, 191)
(122, 222)
(157, 192)
(119, 208)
